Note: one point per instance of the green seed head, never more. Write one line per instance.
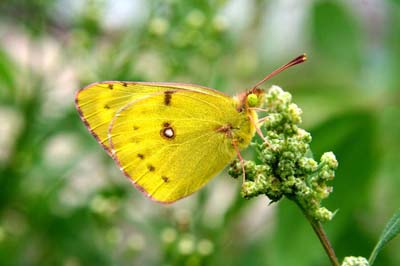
(287, 166)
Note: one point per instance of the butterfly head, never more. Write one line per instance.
(251, 98)
(254, 97)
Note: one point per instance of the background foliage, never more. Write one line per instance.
(63, 201)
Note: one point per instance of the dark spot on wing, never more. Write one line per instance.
(165, 179)
(135, 127)
(167, 97)
(166, 124)
(110, 86)
(151, 168)
(124, 84)
(106, 106)
(141, 156)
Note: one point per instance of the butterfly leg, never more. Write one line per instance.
(262, 120)
(234, 143)
(258, 109)
(258, 130)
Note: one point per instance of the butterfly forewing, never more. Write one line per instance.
(99, 102)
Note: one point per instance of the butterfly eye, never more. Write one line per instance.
(252, 100)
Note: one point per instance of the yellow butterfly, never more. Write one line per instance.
(169, 139)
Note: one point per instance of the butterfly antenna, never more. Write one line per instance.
(295, 61)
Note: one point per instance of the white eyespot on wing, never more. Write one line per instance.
(169, 132)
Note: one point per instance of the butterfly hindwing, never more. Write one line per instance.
(170, 143)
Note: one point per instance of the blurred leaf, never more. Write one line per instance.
(393, 43)
(392, 229)
(396, 1)
(336, 34)
(6, 77)
(33, 15)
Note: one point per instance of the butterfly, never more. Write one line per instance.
(170, 139)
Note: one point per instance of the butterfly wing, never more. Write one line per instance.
(171, 143)
(99, 102)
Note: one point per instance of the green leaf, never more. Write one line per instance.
(391, 230)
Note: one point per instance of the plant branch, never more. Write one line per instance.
(323, 238)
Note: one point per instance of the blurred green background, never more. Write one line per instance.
(64, 202)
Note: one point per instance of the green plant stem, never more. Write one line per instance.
(323, 238)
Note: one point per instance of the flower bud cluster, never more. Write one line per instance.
(287, 167)
(355, 261)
